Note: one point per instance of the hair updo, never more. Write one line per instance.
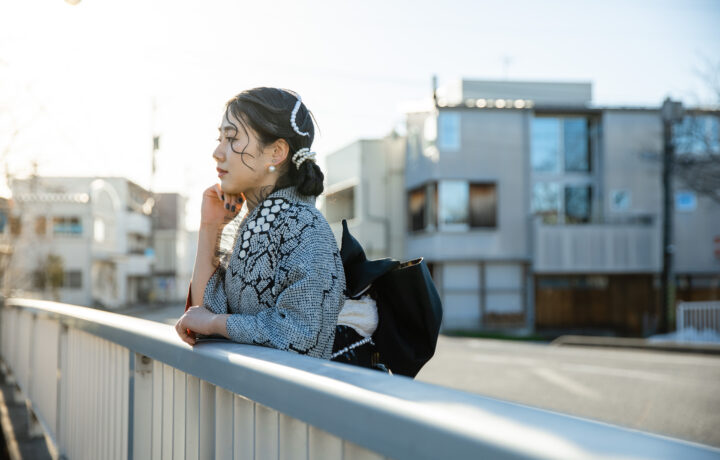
(268, 111)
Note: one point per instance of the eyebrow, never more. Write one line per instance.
(227, 128)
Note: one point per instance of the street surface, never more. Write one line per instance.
(674, 394)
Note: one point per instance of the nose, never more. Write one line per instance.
(218, 154)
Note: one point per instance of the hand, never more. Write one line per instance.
(218, 208)
(200, 320)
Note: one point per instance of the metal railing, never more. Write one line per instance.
(697, 321)
(107, 386)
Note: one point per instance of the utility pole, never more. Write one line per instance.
(153, 212)
(671, 112)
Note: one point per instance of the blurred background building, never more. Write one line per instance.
(535, 209)
(101, 242)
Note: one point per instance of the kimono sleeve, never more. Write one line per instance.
(215, 296)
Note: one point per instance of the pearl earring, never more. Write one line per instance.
(271, 168)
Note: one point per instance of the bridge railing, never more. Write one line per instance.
(107, 386)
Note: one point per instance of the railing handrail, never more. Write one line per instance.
(394, 416)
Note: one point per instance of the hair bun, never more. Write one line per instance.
(310, 179)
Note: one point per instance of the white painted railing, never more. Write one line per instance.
(106, 386)
(698, 321)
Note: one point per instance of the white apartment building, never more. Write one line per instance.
(97, 230)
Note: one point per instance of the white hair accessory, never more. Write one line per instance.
(302, 155)
(294, 114)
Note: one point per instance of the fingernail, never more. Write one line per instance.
(227, 206)
(233, 208)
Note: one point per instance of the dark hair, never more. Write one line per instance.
(267, 111)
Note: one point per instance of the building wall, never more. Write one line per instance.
(494, 149)
(372, 169)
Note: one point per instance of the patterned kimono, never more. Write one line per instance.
(283, 284)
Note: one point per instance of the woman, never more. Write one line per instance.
(282, 283)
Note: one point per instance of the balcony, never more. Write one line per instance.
(596, 248)
(137, 223)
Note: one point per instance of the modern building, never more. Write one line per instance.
(171, 242)
(364, 184)
(81, 240)
(539, 211)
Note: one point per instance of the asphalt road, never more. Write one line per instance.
(674, 394)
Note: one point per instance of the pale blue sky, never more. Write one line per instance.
(80, 79)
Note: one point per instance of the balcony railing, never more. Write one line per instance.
(596, 248)
(107, 386)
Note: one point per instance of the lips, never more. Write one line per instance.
(221, 172)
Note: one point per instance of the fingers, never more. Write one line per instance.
(186, 335)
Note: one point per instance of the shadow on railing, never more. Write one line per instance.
(107, 386)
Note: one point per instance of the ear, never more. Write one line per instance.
(279, 151)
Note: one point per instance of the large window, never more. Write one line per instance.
(67, 226)
(560, 144)
(562, 172)
(452, 205)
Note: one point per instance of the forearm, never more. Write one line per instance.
(204, 260)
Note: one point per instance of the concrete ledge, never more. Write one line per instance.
(641, 344)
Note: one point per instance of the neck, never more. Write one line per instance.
(257, 195)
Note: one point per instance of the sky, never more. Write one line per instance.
(78, 83)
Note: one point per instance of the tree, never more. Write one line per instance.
(697, 140)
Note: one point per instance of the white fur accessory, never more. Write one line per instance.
(294, 114)
(360, 315)
(302, 155)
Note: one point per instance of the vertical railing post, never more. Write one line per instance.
(140, 401)
(62, 364)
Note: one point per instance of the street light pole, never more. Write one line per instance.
(671, 112)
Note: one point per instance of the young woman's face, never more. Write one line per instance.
(240, 157)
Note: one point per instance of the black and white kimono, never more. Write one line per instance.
(283, 283)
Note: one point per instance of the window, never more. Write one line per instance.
(454, 198)
(545, 144)
(697, 134)
(72, 279)
(421, 210)
(67, 226)
(40, 225)
(562, 173)
(483, 205)
(574, 209)
(99, 230)
(340, 205)
(577, 204)
(546, 201)
(560, 144)
(448, 135)
(575, 134)
(460, 205)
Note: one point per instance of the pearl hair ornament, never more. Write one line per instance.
(302, 155)
(294, 114)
